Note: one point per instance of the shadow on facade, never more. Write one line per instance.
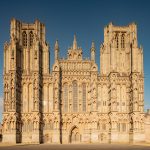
(60, 106)
(41, 124)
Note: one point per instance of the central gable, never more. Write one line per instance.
(75, 52)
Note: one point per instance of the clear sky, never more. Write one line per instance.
(86, 18)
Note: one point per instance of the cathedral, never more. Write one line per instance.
(74, 102)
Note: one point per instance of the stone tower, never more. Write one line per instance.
(26, 59)
(121, 60)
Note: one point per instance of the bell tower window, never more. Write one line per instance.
(122, 41)
(31, 38)
(24, 38)
(117, 40)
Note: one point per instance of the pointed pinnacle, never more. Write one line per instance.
(93, 44)
(56, 45)
(74, 42)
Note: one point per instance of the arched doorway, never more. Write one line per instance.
(74, 135)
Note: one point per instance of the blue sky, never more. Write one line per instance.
(86, 18)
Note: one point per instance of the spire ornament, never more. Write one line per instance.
(56, 45)
(93, 51)
(56, 48)
(74, 43)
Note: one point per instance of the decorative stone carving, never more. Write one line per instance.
(100, 99)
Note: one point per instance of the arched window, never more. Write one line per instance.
(84, 97)
(24, 38)
(75, 96)
(31, 38)
(122, 41)
(65, 97)
(117, 40)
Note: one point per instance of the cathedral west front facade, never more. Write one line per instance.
(73, 103)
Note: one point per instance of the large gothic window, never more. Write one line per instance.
(75, 96)
(24, 38)
(31, 38)
(65, 97)
(122, 41)
(84, 97)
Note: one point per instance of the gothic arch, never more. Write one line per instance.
(123, 40)
(31, 36)
(24, 38)
(94, 67)
(74, 136)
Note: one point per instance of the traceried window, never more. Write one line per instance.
(117, 40)
(75, 96)
(65, 97)
(84, 97)
(122, 41)
(24, 38)
(31, 38)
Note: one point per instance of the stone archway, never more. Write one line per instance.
(74, 135)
